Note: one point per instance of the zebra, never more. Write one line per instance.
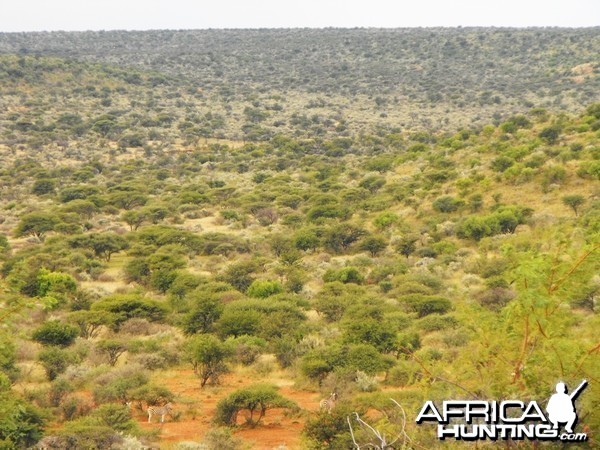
(161, 411)
(329, 402)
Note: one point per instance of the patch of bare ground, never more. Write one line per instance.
(195, 409)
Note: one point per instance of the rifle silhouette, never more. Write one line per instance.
(578, 390)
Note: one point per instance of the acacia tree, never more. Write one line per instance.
(36, 224)
(574, 202)
(207, 354)
(256, 399)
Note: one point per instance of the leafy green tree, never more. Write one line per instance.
(574, 202)
(256, 399)
(91, 322)
(208, 356)
(129, 306)
(55, 360)
(112, 348)
(206, 310)
(134, 218)
(306, 239)
(373, 244)
(104, 245)
(239, 275)
(407, 245)
(340, 237)
(36, 224)
(84, 208)
(21, 424)
(372, 183)
(239, 322)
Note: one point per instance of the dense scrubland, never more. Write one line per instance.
(242, 222)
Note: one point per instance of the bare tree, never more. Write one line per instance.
(379, 440)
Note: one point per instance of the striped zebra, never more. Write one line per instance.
(328, 403)
(161, 411)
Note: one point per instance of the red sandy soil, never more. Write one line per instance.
(196, 409)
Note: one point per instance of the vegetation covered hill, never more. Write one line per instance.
(415, 77)
(159, 226)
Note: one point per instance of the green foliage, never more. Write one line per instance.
(208, 355)
(264, 288)
(102, 244)
(57, 333)
(36, 224)
(447, 204)
(424, 305)
(574, 202)
(21, 424)
(205, 311)
(119, 385)
(551, 134)
(373, 244)
(339, 237)
(344, 275)
(386, 220)
(117, 417)
(43, 186)
(49, 283)
(91, 322)
(55, 361)
(256, 399)
(318, 363)
(112, 348)
(8, 357)
(326, 431)
(128, 306)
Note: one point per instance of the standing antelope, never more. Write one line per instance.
(329, 402)
(161, 411)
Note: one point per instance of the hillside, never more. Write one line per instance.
(424, 78)
(224, 240)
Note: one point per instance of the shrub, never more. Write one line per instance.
(128, 306)
(207, 354)
(255, 399)
(55, 333)
(55, 361)
(424, 305)
(447, 204)
(344, 275)
(21, 424)
(117, 417)
(119, 384)
(264, 288)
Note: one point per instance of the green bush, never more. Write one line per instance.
(344, 275)
(54, 332)
(424, 305)
(255, 399)
(55, 361)
(264, 288)
(129, 306)
(447, 204)
(21, 424)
